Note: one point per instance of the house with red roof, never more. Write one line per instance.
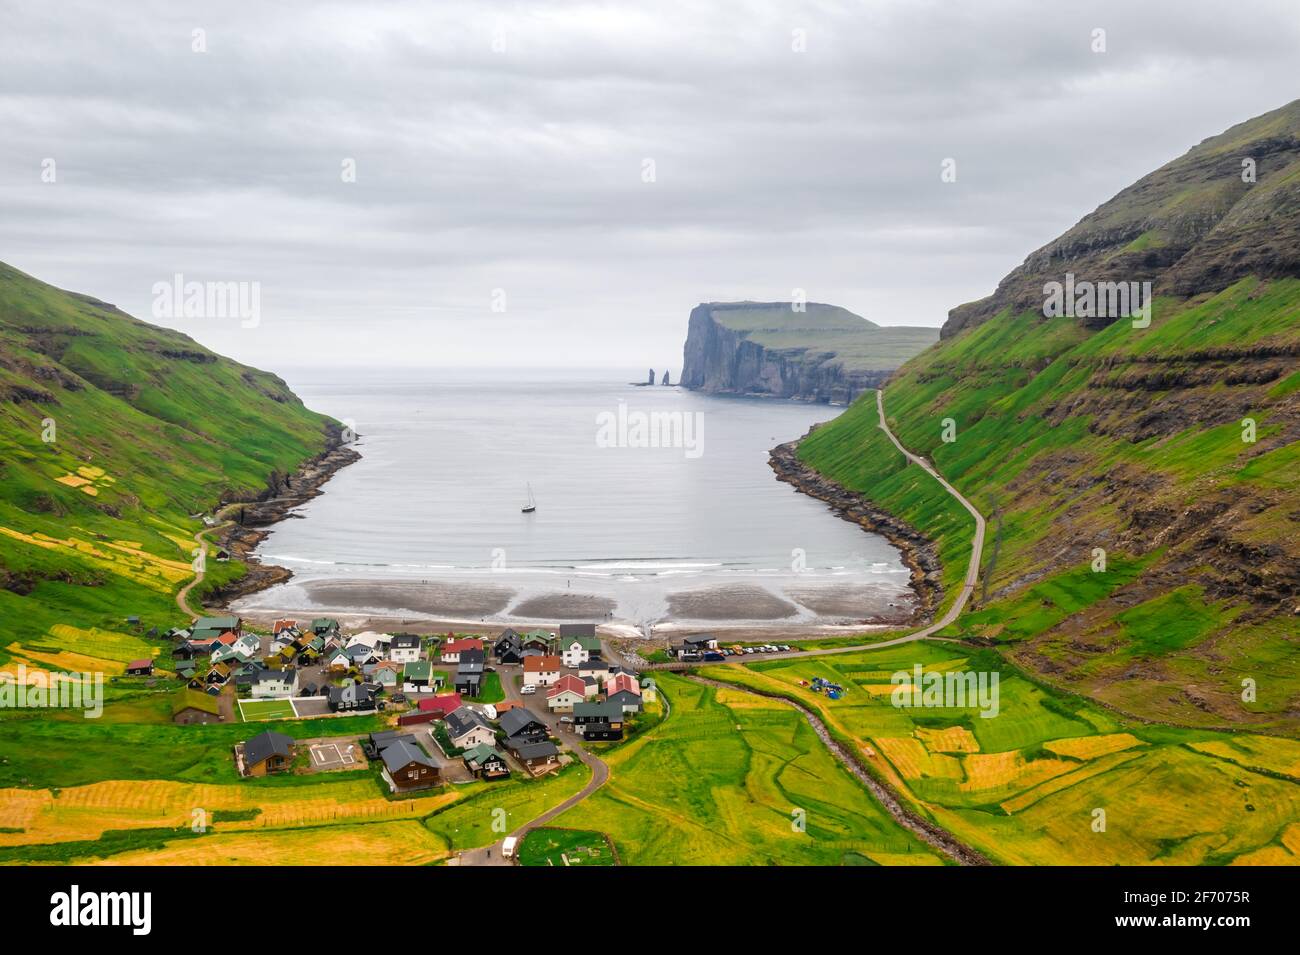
(564, 693)
(442, 704)
(541, 671)
(622, 681)
(452, 650)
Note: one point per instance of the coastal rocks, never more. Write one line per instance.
(919, 553)
(274, 504)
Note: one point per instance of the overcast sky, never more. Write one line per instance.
(503, 146)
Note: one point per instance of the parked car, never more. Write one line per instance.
(528, 689)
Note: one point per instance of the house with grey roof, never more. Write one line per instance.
(407, 767)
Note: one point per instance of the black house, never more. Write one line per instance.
(508, 647)
(351, 696)
(522, 725)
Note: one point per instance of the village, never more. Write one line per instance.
(461, 707)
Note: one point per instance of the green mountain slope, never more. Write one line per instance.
(1076, 439)
(1194, 225)
(113, 434)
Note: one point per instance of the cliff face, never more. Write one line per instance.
(1226, 209)
(823, 353)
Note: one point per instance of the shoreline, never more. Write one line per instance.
(270, 507)
(920, 554)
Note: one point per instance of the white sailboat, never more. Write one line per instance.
(532, 504)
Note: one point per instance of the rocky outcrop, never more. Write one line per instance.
(771, 349)
(920, 554)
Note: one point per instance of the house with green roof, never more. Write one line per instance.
(485, 762)
(418, 677)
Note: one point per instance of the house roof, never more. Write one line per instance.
(515, 720)
(363, 693)
(699, 640)
(446, 702)
(623, 698)
(265, 745)
(542, 664)
(481, 753)
(418, 670)
(567, 682)
(459, 646)
(227, 622)
(537, 750)
(264, 675)
(198, 700)
(590, 644)
(405, 641)
(622, 681)
(400, 754)
(285, 624)
(570, 630)
(140, 664)
(598, 710)
(461, 721)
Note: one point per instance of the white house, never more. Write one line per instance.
(405, 648)
(541, 671)
(467, 729)
(579, 650)
(567, 691)
(274, 684)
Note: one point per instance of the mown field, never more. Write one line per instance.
(729, 778)
(1025, 786)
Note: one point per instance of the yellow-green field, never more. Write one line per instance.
(1049, 779)
(729, 778)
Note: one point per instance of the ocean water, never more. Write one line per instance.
(447, 460)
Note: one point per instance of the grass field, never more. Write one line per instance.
(254, 710)
(565, 847)
(731, 778)
(1025, 786)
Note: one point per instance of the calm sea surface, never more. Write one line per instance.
(447, 459)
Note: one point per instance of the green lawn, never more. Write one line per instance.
(565, 847)
(255, 710)
(491, 691)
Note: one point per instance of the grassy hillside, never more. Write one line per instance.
(114, 436)
(1075, 439)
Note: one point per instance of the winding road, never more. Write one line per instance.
(182, 595)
